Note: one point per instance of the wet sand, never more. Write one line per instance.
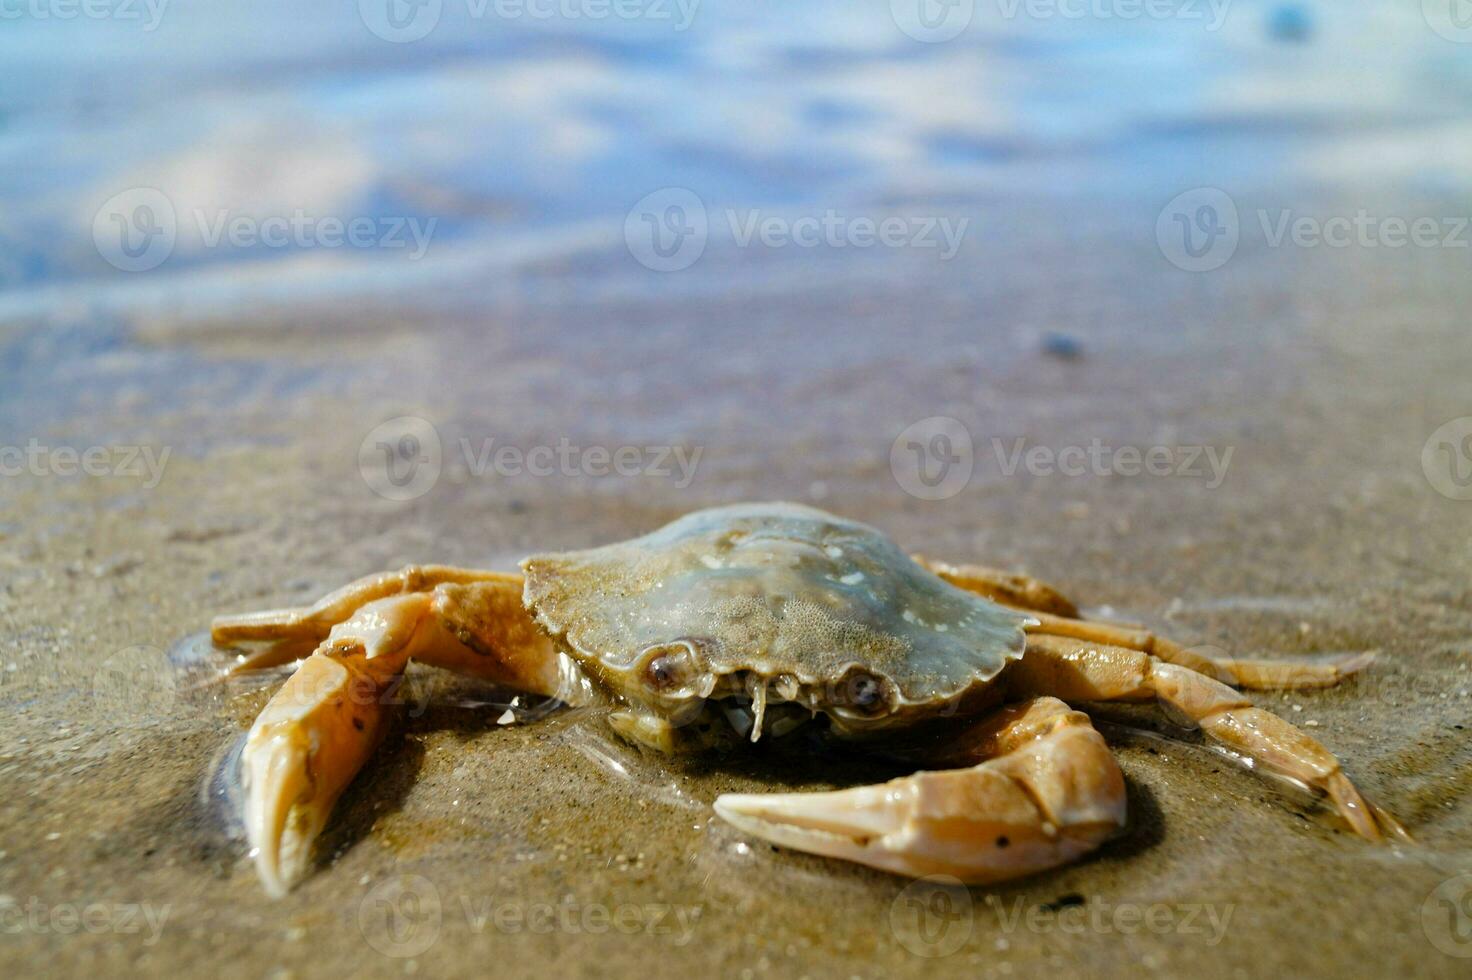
(472, 847)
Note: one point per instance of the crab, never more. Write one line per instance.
(749, 621)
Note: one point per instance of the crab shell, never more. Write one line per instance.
(772, 601)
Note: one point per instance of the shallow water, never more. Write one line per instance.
(266, 373)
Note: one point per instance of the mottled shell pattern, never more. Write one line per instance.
(827, 612)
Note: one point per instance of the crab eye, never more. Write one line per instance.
(864, 693)
(669, 667)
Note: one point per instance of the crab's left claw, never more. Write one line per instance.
(301, 753)
(1051, 793)
(323, 724)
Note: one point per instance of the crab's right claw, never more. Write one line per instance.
(301, 753)
(1047, 801)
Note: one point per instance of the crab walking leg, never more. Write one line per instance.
(1057, 616)
(321, 726)
(1048, 792)
(1253, 675)
(1080, 671)
(1007, 588)
(309, 624)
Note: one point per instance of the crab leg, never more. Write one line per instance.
(1008, 588)
(1057, 616)
(1252, 675)
(1080, 671)
(294, 632)
(1048, 791)
(321, 726)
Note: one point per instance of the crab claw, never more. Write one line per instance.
(303, 750)
(1044, 803)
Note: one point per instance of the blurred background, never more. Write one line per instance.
(290, 293)
(535, 166)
